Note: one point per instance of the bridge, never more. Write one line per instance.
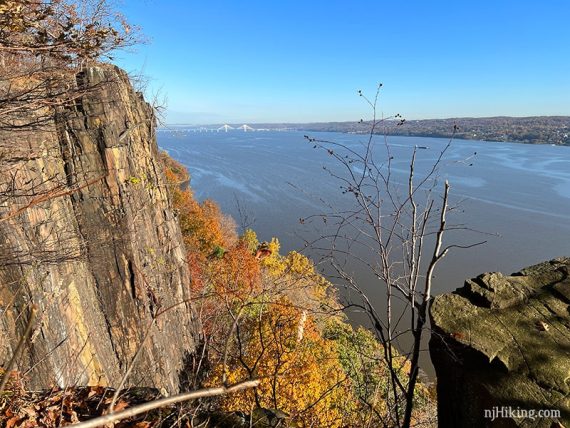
(225, 127)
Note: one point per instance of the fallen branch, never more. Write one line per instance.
(142, 408)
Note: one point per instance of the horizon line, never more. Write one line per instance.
(365, 121)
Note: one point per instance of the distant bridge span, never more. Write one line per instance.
(225, 127)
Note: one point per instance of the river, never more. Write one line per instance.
(518, 195)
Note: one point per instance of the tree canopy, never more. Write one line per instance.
(44, 45)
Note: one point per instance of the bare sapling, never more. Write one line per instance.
(393, 227)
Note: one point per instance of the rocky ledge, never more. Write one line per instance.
(501, 347)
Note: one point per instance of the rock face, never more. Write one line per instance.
(88, 235)
(502, 343)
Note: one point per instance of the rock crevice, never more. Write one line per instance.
(88, 236)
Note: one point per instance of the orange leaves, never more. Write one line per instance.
(203, 222)
(268, 299)
(197, 264)
(222, 267)
(200, 223)
(216, 258)
(237, 273)
(274, 341)
(14, 385)
(300, 374)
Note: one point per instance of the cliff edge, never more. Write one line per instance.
(88, 236)
(501, 349)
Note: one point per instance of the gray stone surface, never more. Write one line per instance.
(504, 341)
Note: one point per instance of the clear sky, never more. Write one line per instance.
(300, 61)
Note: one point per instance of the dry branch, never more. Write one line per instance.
(163, 402)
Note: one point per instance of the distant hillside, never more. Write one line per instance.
(532, 130)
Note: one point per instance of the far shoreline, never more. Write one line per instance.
(212, 129)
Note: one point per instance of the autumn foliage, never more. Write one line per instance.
(275, 318)
(66, 407)
(44, 45)
(300, 370)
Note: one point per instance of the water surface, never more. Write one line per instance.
(518, 194)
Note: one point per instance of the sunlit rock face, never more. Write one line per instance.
(88, 235)
(501, 348)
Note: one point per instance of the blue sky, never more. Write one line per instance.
(300, 61)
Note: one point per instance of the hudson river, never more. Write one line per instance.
(518, 194)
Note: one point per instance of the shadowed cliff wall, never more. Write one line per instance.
(87, 234)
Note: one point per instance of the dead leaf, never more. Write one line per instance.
(121, 405)
(12, 422)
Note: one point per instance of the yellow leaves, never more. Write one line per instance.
(12, 16)
(274, 341)
(12, 7)
(299, 264)
(200, 223)
(299, 375)
(274, 263)
(312, 377)
(249, 238)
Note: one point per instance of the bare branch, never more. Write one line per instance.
(163, 402)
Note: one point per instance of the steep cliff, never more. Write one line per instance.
(88, 235)
(501, 344)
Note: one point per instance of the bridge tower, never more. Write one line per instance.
(225, 127)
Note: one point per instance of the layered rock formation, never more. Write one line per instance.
(502, 344)
(88, 235)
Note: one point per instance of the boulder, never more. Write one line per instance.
(501, 347)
